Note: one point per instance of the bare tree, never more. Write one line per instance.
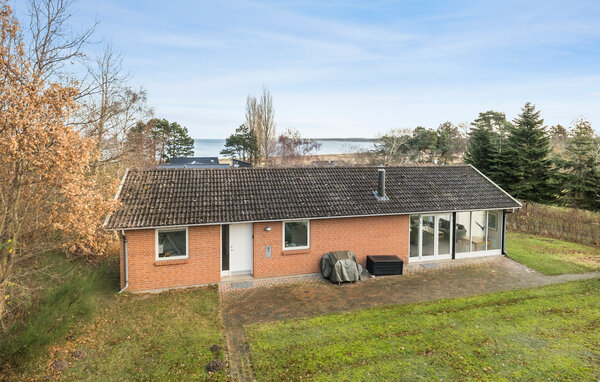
(54, 44)
(109, 112)
(260, 118)
(253, 119)
(267, 123)
(108, 107)
(392, 143)
(292, 148)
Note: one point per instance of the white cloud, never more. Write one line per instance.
(352, 68)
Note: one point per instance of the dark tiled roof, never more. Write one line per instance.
(195, 160)
(168, 197)
(193, 165)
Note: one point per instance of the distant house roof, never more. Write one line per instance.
(171, 197)
(193, 165)
(238, 163)
(194, 160)
(327, 163)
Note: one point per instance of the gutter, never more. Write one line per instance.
(305, 218)
(125, 273)
(504, 232)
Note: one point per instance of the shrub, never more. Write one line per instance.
(570, 224)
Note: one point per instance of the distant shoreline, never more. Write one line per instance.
(327, 146)
(347, 139)
(316, 139)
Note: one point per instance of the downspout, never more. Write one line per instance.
(504, 232)
(453, 244)
(125, 276)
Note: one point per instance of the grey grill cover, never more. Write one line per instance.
(340, 266)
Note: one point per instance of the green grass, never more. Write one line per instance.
(550, 333)
(151, 337)
(72, 292)
(156, 337)
(552, 256)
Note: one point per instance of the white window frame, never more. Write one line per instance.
(307, 246)
(436, 256)
(487, 251)
(187, 244)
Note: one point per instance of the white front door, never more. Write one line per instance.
(241, 248)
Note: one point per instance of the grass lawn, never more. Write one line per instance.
(552, 256)
(550, 333)
(100, 335)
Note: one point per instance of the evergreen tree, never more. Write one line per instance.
(160, 139)
(448, 139)
(243, 144)
(423, 141)
(559, 137)
(496, 122)
(483, 148)
(179, 142)
(525, 167)
(581, 166)
(159, 133)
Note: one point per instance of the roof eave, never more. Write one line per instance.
(116, 198)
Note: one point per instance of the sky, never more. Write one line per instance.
(354, 68)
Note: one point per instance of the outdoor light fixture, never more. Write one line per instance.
(268, 228)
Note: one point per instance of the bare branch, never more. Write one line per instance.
(54, 44)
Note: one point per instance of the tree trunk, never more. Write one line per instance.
(3, 307)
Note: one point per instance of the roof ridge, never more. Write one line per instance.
(333, 168)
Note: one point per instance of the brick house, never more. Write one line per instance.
(188, 227)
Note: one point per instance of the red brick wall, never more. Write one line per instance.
(379, 235)
(202, 267)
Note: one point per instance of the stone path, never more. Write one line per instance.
(305, 297)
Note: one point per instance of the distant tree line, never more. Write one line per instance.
(534, 163)
(442, 145)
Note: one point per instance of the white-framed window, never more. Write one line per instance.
(296, 234)
(172, 243)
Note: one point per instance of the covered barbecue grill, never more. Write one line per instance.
(340, 266)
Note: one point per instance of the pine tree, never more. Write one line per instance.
(447, 141)
(179, 143)
(525, 166)
(581, 166)
(243, 144)
(424, 141)
(481, 151)
(484, 143)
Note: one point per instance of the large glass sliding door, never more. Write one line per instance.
(427, 237)
(430, 237)
(478, 233)
(415, 226)
(474, 233)
(444, 231)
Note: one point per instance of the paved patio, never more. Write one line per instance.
(310, 296)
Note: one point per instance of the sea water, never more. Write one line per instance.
(212, 147)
